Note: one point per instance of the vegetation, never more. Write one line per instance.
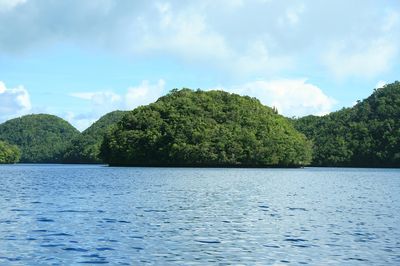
(85, 148)
(367, 134)
(9, 153)
(42, 138)
(215, 128)
(197, 128)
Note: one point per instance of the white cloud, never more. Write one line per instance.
(380, 84)
(292, 97)
(99, 98)
(103, 102)
(13, 101)
(183, 33)
(362, 60)
(292, 15)
(7, 5)
(257, 59)
(143, 94)
(187, 33)
(79, 121)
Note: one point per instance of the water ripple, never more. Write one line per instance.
(87, 214)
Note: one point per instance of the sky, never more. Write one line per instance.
(80, 59)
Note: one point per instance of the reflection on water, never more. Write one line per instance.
(60, 214)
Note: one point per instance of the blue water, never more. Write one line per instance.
(73, 215)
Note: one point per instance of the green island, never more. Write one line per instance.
(198, 128)
(41, 138)
(214, 129)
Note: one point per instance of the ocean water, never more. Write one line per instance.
(91, 214)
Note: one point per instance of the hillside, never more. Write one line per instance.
(9, 153)
(85, 148)
(41, 138)
(198, 128)
(366, 135)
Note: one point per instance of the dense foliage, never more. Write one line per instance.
(197, 128)
(9, 153)
(85, 148)
(367, 134)
(41, 138)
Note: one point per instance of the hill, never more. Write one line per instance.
(198, 128)
(366, 135)
(41, 138)
(85, 148)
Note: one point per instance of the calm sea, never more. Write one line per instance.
(85, 214)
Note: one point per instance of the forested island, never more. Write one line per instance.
(198, 128)
(41, 138)
(214, 128)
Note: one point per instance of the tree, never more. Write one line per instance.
(9, 153)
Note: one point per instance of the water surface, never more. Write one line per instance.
(85, 214)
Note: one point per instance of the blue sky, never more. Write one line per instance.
(82, 59)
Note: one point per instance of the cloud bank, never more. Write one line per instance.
(357, 38)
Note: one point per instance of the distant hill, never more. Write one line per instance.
(199, 128)
(85, 147)
(367, 134)
(41, 138)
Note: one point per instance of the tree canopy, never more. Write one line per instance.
(9, 153)
(85, 148)
(40, 137)
(198, 128)
(367, 134)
